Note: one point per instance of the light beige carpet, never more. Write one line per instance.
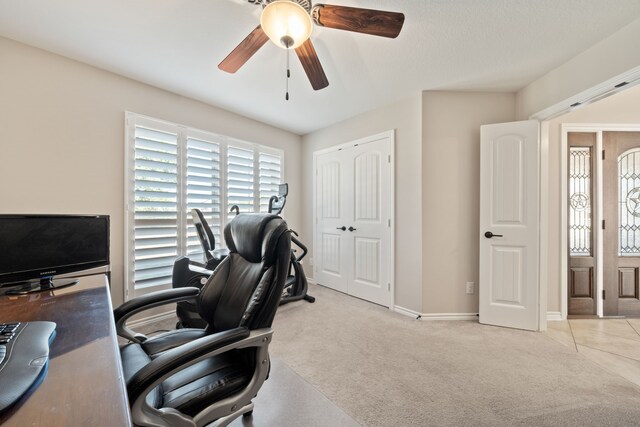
(385, 369)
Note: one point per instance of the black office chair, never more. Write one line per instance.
(193, 377)
(187, 272)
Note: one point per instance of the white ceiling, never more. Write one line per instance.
(445, 44)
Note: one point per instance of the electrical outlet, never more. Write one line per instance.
(310, 260)
(471, 288)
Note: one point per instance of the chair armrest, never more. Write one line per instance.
(180, 358)
(145, 302)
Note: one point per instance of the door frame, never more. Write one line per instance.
(598, 129)
(392, 212)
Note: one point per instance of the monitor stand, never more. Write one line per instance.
(44, 284)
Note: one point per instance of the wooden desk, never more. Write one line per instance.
(84, 385)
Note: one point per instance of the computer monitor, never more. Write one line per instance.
(34, 249)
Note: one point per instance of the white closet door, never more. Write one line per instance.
(354, 207)
(332, 261)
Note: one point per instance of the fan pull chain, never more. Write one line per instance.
(288, 76)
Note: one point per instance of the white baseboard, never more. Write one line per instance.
(150, 319)
(553, 316)
(406, 311)
(450, 316)
(435, 316)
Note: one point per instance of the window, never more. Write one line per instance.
(172, 169)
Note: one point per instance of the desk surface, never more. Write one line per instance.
(84, 385)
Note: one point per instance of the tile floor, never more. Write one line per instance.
(613, 344)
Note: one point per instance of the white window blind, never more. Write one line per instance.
(172, 169)
(155, 206)
(203, 190)
(270, 177)
(240, 179)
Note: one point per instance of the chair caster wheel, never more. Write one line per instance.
(248, 414)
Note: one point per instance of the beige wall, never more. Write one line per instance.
(622, 108)
(62, 138)
(612, 56)
(451, 193)
(404, 117)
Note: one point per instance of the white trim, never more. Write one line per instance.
(406, 311)
(553, 316)
(597, 128)
(392, 141)
(450, 316)
(599, 231)
(593, 94)
(564, 215)
(543, 223)
(129, 153)
(151, 319)
(392, 216)
(435, 316)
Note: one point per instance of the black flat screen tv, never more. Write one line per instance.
(36, 248)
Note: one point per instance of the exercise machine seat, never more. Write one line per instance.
(195, 377)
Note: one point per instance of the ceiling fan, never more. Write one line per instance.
(288, 23)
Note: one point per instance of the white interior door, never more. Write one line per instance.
(509, 225)
(369, 237)
(354, 207)
(330, 240)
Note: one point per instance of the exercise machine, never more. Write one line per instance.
(188, 272)
(296, 286)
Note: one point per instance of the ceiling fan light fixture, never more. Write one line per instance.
(286, 23)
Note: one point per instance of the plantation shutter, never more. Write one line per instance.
(155, 206)
(240, 179)
(172, 169)
(203, 191)
(270, 177)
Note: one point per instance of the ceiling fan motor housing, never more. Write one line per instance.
(306, 4)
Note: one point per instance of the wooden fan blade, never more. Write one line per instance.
(245, 50)
(311, 64)
(367, 21)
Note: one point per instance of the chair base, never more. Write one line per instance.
(246, 410)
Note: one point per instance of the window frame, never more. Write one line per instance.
(134, 120)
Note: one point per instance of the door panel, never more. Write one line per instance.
(367, 261)
(628, 282)
(330, 249)
(508, 276)
(621, 169)
(367, 183)
(330, 189)
(507, 180)
(581, 208)
(581, 282)
(509, 204)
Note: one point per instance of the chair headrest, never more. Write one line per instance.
(254, 236)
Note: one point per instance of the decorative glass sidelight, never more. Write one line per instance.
(629, 203)
(580, 201)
